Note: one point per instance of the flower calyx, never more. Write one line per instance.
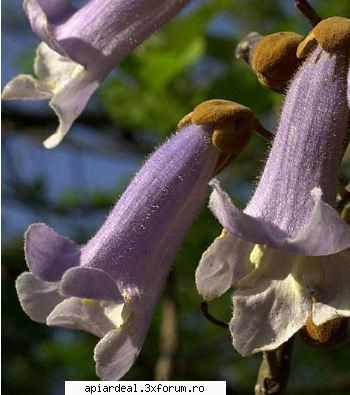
(275, 60)
(332, 34)
(231, 122)
(327, 335)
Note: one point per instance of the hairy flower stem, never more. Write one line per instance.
(274, 370)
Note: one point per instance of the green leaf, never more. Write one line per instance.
(160, 68)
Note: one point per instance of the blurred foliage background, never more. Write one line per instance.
(73, 187)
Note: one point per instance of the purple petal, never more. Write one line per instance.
(49, 255)
(324, 224)
(101, 32)
(242, 225)
(325, 233)
(150, 263)
(55, 10)
(42, 16)
(91, 283)
(37, 297)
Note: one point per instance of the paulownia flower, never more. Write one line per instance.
(80, 47)
(286, 254)
(109, 287)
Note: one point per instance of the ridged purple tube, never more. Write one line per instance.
(292, 205)
(110, 286)
(101, 32)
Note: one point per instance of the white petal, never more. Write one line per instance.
(69, 103)
(71, 85)
(54, 69)
(89, 315)
(68, 84)
(118, 350)
(332, 291)
(222, 264)
(25, 87)
(269, 264)
(37, 297)
(272, 310)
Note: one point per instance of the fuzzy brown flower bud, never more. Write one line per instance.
(233, 123)
(275, 60)
(332, 34)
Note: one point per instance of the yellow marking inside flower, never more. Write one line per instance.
(257, 255)
(127, 297)
(119, 314)
(51, 85)
(90, 302)
(77, 70)
(56, 85)
(223, 234)
(257, 265)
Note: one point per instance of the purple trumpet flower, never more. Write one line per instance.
(80, 47)
(110, 286)
(285, 254)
